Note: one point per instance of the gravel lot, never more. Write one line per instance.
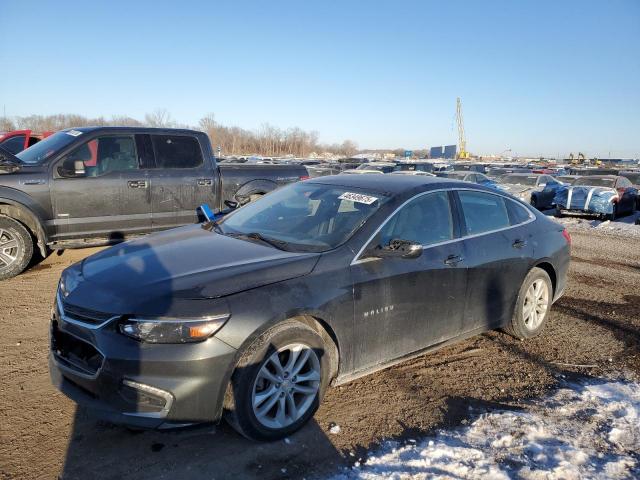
(43, 435)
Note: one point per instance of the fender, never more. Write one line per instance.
(254, 186)
(19, 206)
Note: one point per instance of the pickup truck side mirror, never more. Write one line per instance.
(71, 169)
(397, 248)
(231, 204)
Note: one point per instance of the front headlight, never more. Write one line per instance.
(69, 280)
(172, 330)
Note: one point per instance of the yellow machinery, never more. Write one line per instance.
(462, 142)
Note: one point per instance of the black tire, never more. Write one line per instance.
(238, 404)
(22, 252)
(534, 201)
(517, 327)
(559, 213)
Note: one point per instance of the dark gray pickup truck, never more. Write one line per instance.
(100, 185)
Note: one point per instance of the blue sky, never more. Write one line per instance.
(539, 77)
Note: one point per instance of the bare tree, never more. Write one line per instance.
(159, 118)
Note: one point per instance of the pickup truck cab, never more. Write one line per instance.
(101, 185)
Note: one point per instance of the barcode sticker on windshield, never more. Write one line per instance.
(74, 133)
(358, 197)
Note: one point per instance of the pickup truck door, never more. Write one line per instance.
(110, 199)
(181, 180)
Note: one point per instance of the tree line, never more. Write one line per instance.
(268, 140)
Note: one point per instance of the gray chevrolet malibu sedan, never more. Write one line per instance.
(251, 318)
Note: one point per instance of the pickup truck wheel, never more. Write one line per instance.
(279, 382)
(16, 248)
(532, 306)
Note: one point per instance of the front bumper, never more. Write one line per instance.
(138, 384)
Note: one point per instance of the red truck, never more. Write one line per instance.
(18, 140)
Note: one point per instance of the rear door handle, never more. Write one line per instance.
(452, 260)
(519, 243)
(137, 184)
(205, 182)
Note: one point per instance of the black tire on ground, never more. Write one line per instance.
(238, 403)
(534, 201)
(559, 213)
(14, 233)
(612, 216)
(517, 326)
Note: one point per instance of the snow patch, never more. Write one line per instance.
(587, 430)
(623, 226)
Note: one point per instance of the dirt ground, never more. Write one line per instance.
(43, 435)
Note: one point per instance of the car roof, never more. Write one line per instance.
(525, 174)
(132, 129)
(393, 184)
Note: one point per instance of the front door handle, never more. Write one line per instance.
(519, 243)
(137, 184)
(452, 260)
(205, 182)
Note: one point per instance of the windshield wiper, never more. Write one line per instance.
(279, 244)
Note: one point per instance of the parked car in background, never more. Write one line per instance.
(413, 172)
(97, 186)
(608, 196)
(537, 189)
(470, 176)
(19, 140)
(415, 165)
(472, 167)
(316, 284)
(495, 172)
(567, 179)
(373, 167)
(634, 178)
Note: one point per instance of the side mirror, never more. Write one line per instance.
(78, 167)
(71, 169)
(231, 204)
(204, 211)
(398, 248)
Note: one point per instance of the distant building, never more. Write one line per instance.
(436, 152)
(450, 151)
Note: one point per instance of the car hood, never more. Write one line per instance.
(163, 273)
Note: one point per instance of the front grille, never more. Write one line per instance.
(74, 353)
(84, 315)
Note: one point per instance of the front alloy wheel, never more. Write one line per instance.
(286, 386)
(279, 382)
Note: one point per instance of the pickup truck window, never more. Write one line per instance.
(101, 156)
(176, 151)
(41, 151)
(305, 216)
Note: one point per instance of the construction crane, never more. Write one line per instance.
(462, 142)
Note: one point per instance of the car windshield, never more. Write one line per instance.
(304, 217)
(519, 180)
(41, 151)
(595, 182)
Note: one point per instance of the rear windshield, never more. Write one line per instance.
(634, 177)
(596, 182)
(45, 149)
(519, 180)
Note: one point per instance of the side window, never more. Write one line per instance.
(101, 156)
(176, 151)
(425, 220)
(14, 144)
(517, 213)
(483, 212)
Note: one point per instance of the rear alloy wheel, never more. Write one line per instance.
(279, 382)
(16, 248)
(533, 304)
